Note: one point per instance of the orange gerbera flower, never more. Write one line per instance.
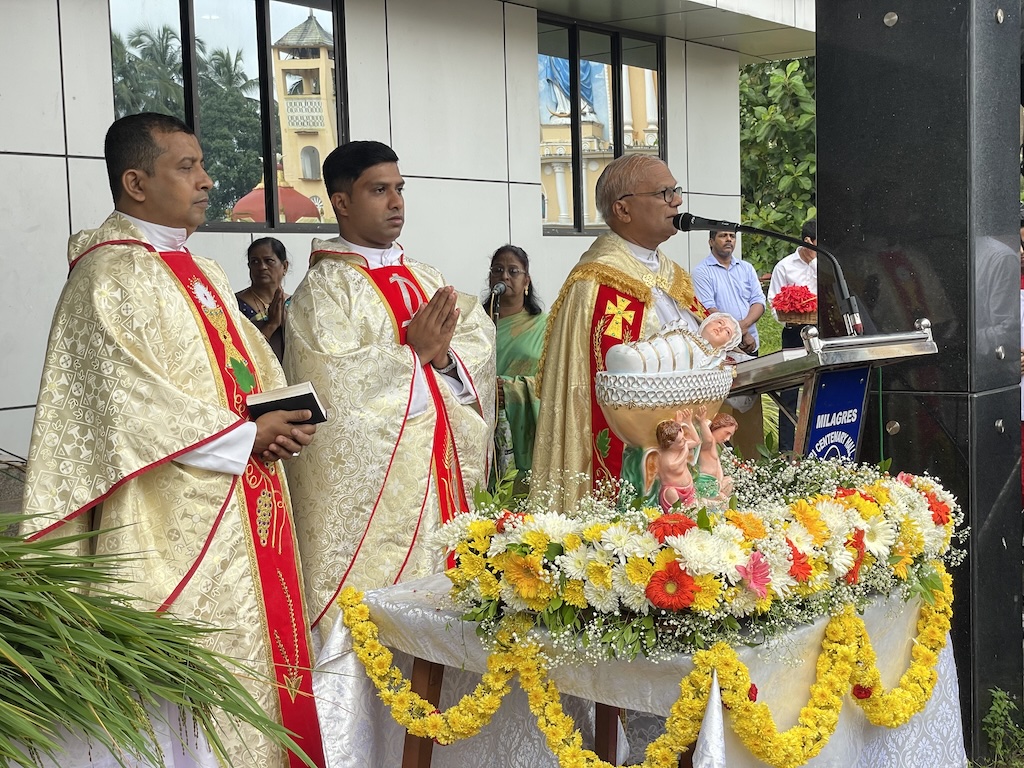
(672, 588)
(940, 509)
(671, 524)
(800, 569)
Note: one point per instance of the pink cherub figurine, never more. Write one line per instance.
(676, 440)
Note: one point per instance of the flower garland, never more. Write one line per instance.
(847, 659)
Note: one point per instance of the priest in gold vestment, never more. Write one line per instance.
(406, 365)
(141, 431)
(622, 289)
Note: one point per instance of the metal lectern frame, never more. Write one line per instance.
(804, 367)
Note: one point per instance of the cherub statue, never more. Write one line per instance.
(712, 482)
(677, 440)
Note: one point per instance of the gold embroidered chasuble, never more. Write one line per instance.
(127, 386)
(606, 299)
(365, 494)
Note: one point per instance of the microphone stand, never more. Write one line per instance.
(847, 301)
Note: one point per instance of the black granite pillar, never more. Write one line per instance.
(918, 196)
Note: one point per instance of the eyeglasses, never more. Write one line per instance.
(668, 194)
(511, 271)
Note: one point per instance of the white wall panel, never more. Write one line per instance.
(455, 226)
(725, 207)
(713, 120)
(675, 101)
(89, 193)
(521, 93)
(16, 428)
(88, 86)
(779, 11)
(447, 88)
(30, 99)
(229, 250)
(34, 256)
(367, 45)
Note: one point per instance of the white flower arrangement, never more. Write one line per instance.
(610, 578)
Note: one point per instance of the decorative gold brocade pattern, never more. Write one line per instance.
(368, 459)
(126, 384)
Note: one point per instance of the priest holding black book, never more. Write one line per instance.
(141, 432)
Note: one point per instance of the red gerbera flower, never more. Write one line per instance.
(801, 568)
(940, 509)
(857, 542)
(672, 588)
(842, 493)
(671, 524)
(861, 692)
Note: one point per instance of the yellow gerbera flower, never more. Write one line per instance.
(811, 520)
(593, 532)
(707, 599)
(747, 522)
(572, 593)
(599, 574)
(639, 570)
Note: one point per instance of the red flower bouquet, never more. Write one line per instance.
(796, 304)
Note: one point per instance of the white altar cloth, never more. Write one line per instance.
(417, 619)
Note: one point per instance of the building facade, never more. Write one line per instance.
(452, 85)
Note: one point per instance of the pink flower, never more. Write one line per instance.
(756, 574)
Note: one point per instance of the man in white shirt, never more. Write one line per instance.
(406, 365)
(799, 268)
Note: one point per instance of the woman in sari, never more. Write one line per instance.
(520, 340)
(264, 302)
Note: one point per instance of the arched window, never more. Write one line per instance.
(310, 163)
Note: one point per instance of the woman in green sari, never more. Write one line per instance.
(520, 341)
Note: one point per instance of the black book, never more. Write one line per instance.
(297, 397)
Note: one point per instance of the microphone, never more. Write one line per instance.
(687, 222)
(498, 289)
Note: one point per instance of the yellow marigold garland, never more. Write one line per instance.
(847, 661)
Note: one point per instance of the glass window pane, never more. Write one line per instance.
(229, 112)
(145, 41)
(640, 96)
(555, 127)
(595, 117)
(306, 103)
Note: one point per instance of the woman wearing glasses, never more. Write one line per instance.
(520, 341)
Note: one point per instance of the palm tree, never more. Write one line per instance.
(226, 70)
(129, 96)
(159, 52)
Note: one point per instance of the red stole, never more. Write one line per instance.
(402, 296)
(268, 522)
(618, 318)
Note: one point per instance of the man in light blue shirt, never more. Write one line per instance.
(730, 285)
(725, 284)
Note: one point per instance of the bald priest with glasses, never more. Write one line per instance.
(622, 289)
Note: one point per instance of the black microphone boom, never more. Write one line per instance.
(687, 222)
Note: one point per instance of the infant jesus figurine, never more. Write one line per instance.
(677, 440)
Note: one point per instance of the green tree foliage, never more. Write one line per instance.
(777, 154)
(148, 77)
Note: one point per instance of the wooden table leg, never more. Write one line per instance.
(606, 732)
(426, 681)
